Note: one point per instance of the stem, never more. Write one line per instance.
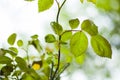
(69, 31)
(58, 58)
(59, 51)
(59, 9)
(51, 71)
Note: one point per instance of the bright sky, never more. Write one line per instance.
(22, 17)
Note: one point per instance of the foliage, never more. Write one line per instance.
(49, 66)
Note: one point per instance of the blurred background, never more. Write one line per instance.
(21, 17)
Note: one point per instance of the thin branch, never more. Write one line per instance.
(62, 70)
(59, 9)
(59, 50)
(51, 71)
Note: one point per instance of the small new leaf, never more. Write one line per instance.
(50, 38)
(57, 28)
(74, 23)
(101, 46)
(44, 5)
(12, 38)
(20, 43)
(78, 44)
(89, 27)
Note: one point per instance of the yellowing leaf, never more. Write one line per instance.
(44, 4)
(36, 66)
(78, 43)
(101, 46)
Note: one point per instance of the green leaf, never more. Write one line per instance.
(5, 60)
(80, 59)
(20, 43)
(57, 28)
(93, 1)
(44, 4)
(89, 27)
(101, 46)
(50, 38)
(74, 23)
(6, 70)
(11, 39)
(13, 49)
(21, 64)
(9, 51)
(66, 36)
(78, 44)
(34, 36)
(81, 1)
(36, 44)
(17, 73)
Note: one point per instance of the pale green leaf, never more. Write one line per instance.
(57, 28)
(78, 44)
(13, 49)
(12, 38)
(50, 38)
(101, 46)
(74, 23)
(44, 4)
(20, 43)
(80, 59)
(89, 27)
(5, 60)
(66, 36)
